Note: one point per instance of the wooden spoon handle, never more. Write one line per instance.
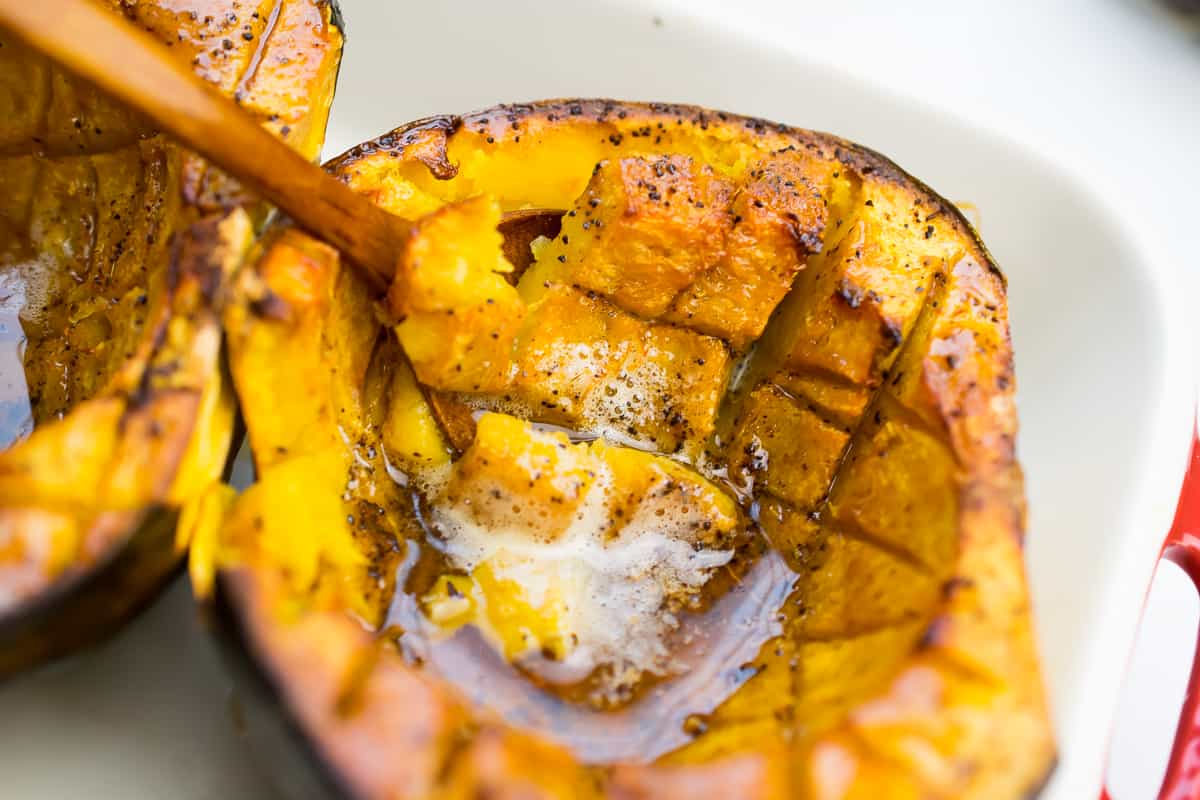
(130, 65)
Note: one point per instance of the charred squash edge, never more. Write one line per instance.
(599, 109)
(85, 610)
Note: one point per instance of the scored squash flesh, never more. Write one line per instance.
(775, 330)
(115, 245)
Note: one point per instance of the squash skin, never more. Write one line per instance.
(81, 611)
(152, 433)
(295, 767)
(959, 713)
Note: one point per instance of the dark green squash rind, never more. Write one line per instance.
(85, 609)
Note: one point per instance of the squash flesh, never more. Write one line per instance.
(569, 546)
(115, 244)
(912, 507)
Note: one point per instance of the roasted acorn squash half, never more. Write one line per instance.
(115, 245)
(716, 498)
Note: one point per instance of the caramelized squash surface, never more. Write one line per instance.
(115, 246)
(782, 312)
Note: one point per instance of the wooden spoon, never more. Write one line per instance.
(137, 70)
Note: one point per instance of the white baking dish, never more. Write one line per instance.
(1104, 362)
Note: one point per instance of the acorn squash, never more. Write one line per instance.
(716, 498)
(115, 245)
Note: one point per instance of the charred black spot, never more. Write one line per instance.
(850, 294)
(893, 334)
(935, 634)
(271, 306)
(955, 585)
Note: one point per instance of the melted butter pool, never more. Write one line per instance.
(710, 653)
(16, 412)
